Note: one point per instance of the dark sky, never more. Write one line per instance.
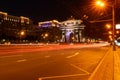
(42, 10)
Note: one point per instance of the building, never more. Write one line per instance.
(72, 31)
(11, 26)
(49, 31)
(52, 23)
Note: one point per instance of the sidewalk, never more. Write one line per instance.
(109, 67)
(117, 64)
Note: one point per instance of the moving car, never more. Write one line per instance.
(118, 42)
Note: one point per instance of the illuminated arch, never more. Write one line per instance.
(74, 27)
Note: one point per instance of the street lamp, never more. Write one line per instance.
(108, 26)
(113, 17)
(117, 32)
(110, 32)
(22, 33)
(101, 4)
(46, 34)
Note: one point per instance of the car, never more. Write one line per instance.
(118, 42)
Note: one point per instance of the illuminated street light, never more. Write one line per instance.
(117, 32)
(22, 33)
(108, 26)
(46, 34)
(101, 4)
(110, 32)
(110, 37)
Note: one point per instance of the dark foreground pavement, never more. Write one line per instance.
(101, 63)
(71, 63)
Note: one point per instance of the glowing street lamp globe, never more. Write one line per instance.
(100, 3)
(22, 33)
(108, 26)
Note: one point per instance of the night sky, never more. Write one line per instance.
(44, 10)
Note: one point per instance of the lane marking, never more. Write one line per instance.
(22, 60)
(10, 56)
(47, 56)
(87, 73)
(73, 55)
(73, 75)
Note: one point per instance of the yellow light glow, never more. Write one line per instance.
(117, 32)
(108, 26)
(110, 32)
(22, 33)
(100, 3)
(110, 37)
(46, 35)
(72, 38)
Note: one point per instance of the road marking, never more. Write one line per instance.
(47, 56)
(73, 75)
(73, 55)
(22, 60)
(10, 56)
(80, 69)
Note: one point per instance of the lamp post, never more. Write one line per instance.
(113, 29)
(101, 4)
(22, 33)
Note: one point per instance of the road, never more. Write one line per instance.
(56, 62)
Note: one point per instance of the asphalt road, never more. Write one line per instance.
(63, 63)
